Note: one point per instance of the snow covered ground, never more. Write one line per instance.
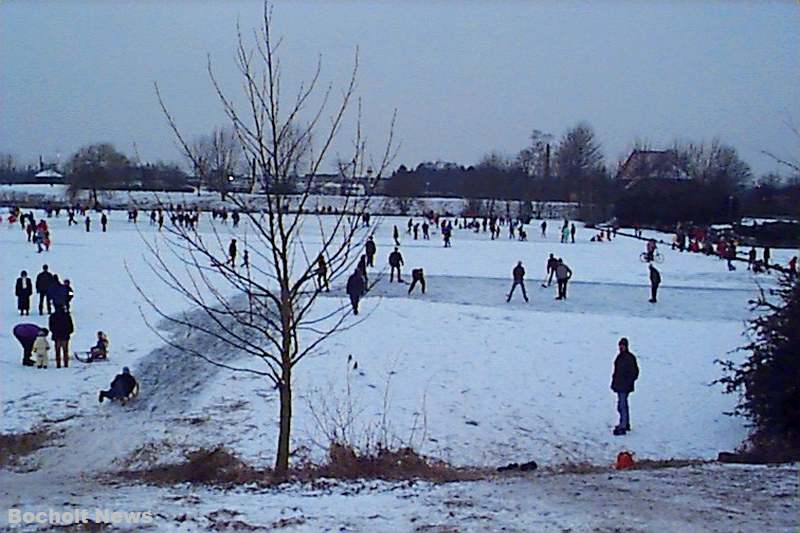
(459, 373)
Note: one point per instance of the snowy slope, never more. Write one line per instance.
(469, 378)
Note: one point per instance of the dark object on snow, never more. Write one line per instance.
(26, 335)
(124, 387)
(524, 467)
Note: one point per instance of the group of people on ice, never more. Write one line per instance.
(555, 268)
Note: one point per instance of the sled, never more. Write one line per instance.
(86, 357)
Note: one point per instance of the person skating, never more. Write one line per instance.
(447, 233)
(61, 329)
(371, 249)
(123, 386)
(23, 291)
(41, 348)
(417, 275)
(552, 263)
(730, 255)
(518, 274)
(655, 281)
(355, 289)
(426, 231)
(563, 275)
(751, 257)
(544, 228)
(104, 222)
(44, 280)
(322, 274)
(396, 236)
(626, 372)
(395, 262)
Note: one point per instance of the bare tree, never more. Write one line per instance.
(267, 309)
(216, 157)
(792, 163)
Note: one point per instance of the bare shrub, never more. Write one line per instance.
(14, 446)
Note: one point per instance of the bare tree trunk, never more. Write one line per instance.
(285, 425)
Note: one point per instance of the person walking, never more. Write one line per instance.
(232, 253)
(563, 275)
(518, 274)
(23, 291)
(544, 228)
(395, 262)
(355, 289)
(371, 249)
(417, 275)
(730, 255)
(572, 232)
(61, 328)
(751, 258)
(396, 235)
(362, 267)
(626, 372)
(44, 280)
(655, 281)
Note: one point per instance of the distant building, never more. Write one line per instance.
(49, 176)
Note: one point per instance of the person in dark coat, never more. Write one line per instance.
(767, 257)
(23, 292)
(572, 232)
(322, 274)
(44, 280)
(395, 262)
(626, 372)
(519, 279)
(58, 293)
(563, 275)
(396, 236)
(61, 328)
(355, 289)
(655, 281)
(123, 386)
(26, 335)
(232, 252)
(88, 223)
(552, 263)
(362, 267)
(417, 275)
(104, 222)
(371, 250)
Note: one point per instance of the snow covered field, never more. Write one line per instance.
(459, 373)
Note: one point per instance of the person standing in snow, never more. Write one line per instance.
(371, 249)
(544, 229)
(767, 256)
(362, 267)
(44, 280)
(751, 258)
(61, 328)
(563, 275)
(41, 348)
(396, 235)
(426, 231)
(395, 262)
(232, 253)
(104, 221)
(322, 274)
(23, 291)
(88, 223)
(572, 232)
(655, 281)
(519, 279)
(626, 372)
(355, 289)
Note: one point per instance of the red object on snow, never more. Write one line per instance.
(624, 460)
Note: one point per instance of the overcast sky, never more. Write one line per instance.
(466, 77)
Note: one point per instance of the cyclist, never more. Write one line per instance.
(650, 250)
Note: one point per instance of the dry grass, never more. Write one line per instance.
(14, 446)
